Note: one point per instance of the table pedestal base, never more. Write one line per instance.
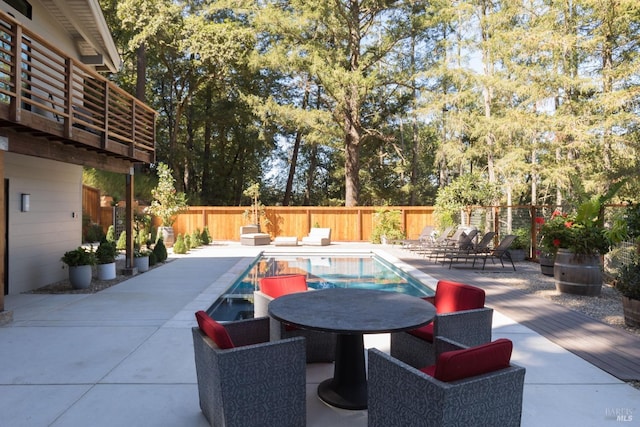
(348, 387)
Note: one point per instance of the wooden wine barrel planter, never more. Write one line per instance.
(631, 309)
(577, 274)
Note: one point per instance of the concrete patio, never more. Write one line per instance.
(123, 356)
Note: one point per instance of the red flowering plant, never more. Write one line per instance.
(583, 233)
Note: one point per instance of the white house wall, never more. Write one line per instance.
(53, 225)
(42, 24)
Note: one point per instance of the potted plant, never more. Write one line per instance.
(579, 240)
(520, 247)
(80, 261)
(141, 259)
(166, 203)
(387, 226)
(628, 284)
(256, 211)
(106, 260)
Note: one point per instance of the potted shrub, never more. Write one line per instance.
(166, 203)
(80, 262)
(256, 213)
(579, 240)
(628, 284)
(520, 247)
(141, 259)
(106, 260)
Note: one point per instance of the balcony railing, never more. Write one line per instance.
(51, 94)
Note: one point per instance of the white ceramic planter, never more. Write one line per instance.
(141, 263)
(80, 276)
(106, 271)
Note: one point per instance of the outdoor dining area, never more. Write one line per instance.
(443, 368)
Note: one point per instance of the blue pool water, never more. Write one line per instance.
(366, 272)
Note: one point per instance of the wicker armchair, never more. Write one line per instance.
(321, 346)
(255, 382)
(400, 395)
(461, 317)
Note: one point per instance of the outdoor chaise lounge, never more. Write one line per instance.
(246, 380)
(476, 386)
(481, 247)
(250, 235)
(318, 237)
(425, 238)
(464, 242)
(321, 346)
(500, 252)
(460, 316)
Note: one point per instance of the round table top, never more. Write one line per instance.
(352, 311)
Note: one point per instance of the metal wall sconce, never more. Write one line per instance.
(25, 202)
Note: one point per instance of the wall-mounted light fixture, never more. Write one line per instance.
(25, 202)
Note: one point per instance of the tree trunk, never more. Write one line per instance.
(294, 156)
(352, 165)
(141, 72)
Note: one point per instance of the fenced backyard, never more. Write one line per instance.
(348, 224)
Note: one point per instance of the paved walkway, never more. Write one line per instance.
(123, 356)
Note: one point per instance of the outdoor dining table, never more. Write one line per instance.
(350, 313)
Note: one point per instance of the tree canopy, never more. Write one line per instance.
(372, 102)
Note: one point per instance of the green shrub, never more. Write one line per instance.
(187, 241)
(179, 247)
(195, 239)
(122, 241)
(523, 237)
(153, 260)
(79, 256)
(106, 252)
(160, 250)
(93, 233)
(205, 237)
(111, 234)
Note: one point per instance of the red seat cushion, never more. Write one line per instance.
(424, 332)
(454, 296)
(214, 330)
(482, 359)
(276, 286)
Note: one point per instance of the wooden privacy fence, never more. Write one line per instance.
(351, 224)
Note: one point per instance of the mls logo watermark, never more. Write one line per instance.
(619, 414)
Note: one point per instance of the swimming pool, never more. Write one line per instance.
(366, 271)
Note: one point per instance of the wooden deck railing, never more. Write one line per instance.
(37, 81)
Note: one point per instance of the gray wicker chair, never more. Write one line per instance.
(401, 396)
(256, 383)
(321, 346)
(470, 327)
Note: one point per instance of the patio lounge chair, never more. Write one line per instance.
(476, 386)
(460, 316)
(481, 247)
(464, 243)
(246, 380)
(425, 238)
(318, 237)
(500, 252)
(321, 346)
(439, 241)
